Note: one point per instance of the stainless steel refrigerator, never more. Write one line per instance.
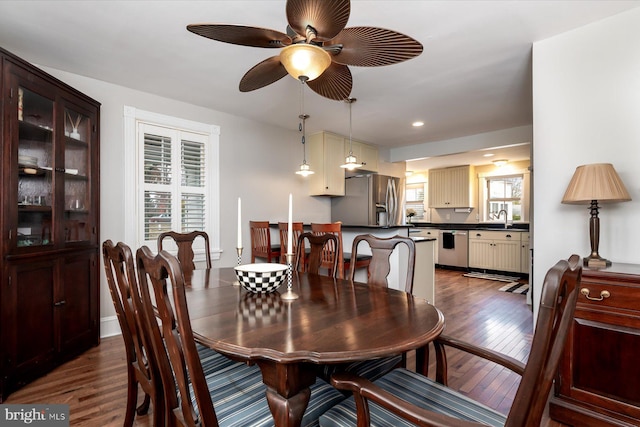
(370, 199)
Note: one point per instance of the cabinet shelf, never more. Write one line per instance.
(71, 142)
(33, 132)
(33, 208)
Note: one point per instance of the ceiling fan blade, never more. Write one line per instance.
(335, 83)
(327, 17)
(262, 74)
(373, 47)
(242, 35)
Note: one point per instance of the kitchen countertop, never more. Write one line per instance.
(423, 239)
(347, 226)
(468, 226)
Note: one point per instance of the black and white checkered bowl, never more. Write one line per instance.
(262, 277)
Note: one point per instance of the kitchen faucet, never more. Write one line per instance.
(505, 216)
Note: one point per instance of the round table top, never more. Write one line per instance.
(332, 321)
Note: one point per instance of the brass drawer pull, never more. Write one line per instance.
(603, 294)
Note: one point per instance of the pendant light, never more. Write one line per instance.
(305, 169)
(350, 162)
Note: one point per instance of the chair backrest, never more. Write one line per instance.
(184, 241)
(331, 251)
(175, 347)
(297, 230)
(314, 259)
(555, 317)
(123, 287)
(380, 266)
(260, 240)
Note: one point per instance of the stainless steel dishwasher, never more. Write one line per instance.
(453, 248)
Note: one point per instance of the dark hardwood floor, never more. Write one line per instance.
(94, 384)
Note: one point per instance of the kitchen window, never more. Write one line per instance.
(176, 176)
(504, 193)
(414, 202)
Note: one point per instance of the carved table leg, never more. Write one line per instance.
(287, 391)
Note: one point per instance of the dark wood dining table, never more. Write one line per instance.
(332, 321)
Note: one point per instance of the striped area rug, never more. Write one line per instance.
(516, 288)
(513, 285)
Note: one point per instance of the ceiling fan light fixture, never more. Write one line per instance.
(305, 60)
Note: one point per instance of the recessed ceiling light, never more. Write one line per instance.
(489, 155)
(417, 124)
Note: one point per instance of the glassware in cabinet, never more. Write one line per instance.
(35, 160)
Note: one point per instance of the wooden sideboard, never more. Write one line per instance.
(597, 383)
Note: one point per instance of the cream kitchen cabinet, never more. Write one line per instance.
(326, 154)
(452, 187)
(525, 253)
(365, 154)
(495, 250)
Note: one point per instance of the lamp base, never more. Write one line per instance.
(596, 262)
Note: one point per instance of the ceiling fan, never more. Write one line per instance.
(317, 48)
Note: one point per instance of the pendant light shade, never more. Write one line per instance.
(304, 60)
(350, 162)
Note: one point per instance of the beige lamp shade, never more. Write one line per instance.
(304, 60)
(598, 181)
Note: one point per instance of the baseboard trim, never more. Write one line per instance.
(109, 327)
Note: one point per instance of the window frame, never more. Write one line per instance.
(134, 194)
(483, 203)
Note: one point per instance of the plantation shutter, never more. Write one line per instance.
(174, 181)
(193, 200)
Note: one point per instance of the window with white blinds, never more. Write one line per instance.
(174, 179)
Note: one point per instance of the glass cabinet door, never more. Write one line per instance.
(77, 169)
(35, 163)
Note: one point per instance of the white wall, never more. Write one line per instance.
(257, 163)
(586, 109)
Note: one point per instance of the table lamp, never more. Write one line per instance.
(591, 184)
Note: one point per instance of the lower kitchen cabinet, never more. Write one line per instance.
(49, 314)
(525, 253)
(495, 250)
(597, 382)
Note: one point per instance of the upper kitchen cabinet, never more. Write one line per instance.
(326, 154)
(50, 219)
(366, 154)
(452, 187)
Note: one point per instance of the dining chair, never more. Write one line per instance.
(261, 246)
(315, 258)
(184, 242)
(345, 259)
(141, 371)
(379, 266)
(377, 273)
(297, 230)
(232, 396)
(403, 398)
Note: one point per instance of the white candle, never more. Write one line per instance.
(290, 226)
(239, 224)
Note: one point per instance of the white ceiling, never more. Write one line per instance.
(474, 75)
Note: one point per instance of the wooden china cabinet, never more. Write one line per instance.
(597, 383)
(49, 218)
